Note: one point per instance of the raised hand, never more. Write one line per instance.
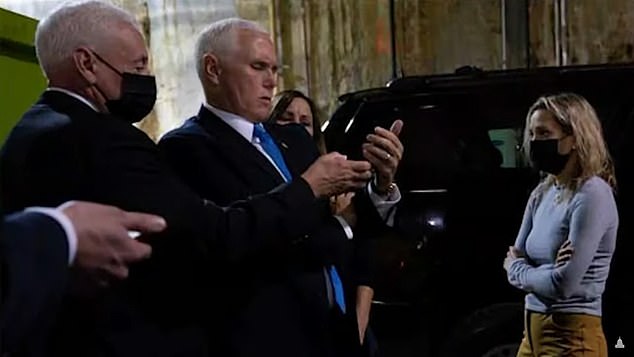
(384, 151)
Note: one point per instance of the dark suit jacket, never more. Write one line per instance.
(62, 150)
(34, 261)
(289, 295)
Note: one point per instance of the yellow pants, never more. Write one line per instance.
(561, 335)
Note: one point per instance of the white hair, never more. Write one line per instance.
(75, 24)
(219, 38)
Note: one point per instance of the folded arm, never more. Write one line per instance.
(591, 218)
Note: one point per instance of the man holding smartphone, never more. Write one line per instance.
(300, 305)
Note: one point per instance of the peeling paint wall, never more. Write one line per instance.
(600, 31)
(174, 25)
(330, 47)
(541, 28)
(592, 31)
(438, 36)
(348, 48)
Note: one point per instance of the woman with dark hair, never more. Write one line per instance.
(293, 106)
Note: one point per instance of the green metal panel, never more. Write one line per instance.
(21, 80)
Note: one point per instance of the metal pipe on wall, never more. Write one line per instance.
(557, 30)
(503, 18)
(393, 38)
(561, 31)
(563, 13)
(306, 27)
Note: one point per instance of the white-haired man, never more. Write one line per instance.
(76, 142)
(303, 305)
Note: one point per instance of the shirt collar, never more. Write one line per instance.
(74, 95)
(238, 123)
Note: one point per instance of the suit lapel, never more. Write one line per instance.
(250, 163)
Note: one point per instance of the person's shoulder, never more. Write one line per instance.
(595, 191)
(190, 127)
(38, 123)
(595, 186)
(42, 117)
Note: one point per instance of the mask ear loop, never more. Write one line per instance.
(107, 64)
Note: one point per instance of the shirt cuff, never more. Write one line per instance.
(66, 224)
(385, 204)
(346, 227)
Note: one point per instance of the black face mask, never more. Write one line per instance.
(545, 156)
(138, 95)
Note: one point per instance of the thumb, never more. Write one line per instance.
(396, 127)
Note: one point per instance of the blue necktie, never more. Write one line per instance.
(269, 146)
(272, 150)
(337, 287)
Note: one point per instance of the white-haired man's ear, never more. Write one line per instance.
(211, 68)
(85, 64)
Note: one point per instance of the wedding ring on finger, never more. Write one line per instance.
(387, 156)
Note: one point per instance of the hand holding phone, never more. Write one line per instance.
(384, 151)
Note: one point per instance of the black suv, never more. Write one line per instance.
(440, 286)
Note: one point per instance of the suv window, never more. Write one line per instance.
(508, 142)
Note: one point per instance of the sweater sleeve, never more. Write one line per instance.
(520, 241)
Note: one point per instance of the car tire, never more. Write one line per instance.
(494, 331)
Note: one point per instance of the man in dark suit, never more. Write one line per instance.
(298, 306)
(38, 245)
(77, 142)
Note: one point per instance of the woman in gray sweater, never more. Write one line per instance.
(573, 207)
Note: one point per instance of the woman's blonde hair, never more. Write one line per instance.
(578, 118)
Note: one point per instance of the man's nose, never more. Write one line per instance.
(270, 79)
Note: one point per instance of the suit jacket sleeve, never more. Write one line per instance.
(208, 172)
(132, 176)
(34, 258)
